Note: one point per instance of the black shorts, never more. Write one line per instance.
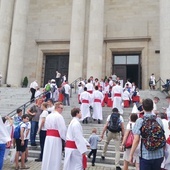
(19, 147)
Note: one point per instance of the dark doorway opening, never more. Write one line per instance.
(127, 66)
(132, 73)
(55, 63)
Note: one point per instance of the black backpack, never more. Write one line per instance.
(114, 123)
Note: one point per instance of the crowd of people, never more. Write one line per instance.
(45, 118)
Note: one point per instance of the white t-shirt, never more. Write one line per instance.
(128, 125)
(50, 109)
(28, 128)
(44, 114)
(67, 88)
(23, 125)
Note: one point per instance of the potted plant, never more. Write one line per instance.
(25, 82)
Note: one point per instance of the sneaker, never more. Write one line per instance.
(38, 160)
(118, 168)
(103, 158)
(33, 144)
(93, 165)
(88, 156)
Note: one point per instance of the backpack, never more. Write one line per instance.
(17, 131)
(152, 133)
(63, 90)
(48, 87)
(53, 89)
(114, 123)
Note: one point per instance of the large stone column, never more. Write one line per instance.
(164, 39)
(77, 40)
(6, 17)
(95, 39)
(15, 65)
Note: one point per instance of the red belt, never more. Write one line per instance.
(90, 91)
(52, 132)
(117, 95)
(85, 101)
(70, 144)
(97, 100)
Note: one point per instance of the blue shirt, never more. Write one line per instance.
(93, 140)
(148, 155)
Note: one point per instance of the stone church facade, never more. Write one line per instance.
(80, 38)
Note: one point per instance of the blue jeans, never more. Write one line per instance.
(34, 128)
(66, 99)
(2, 152)
(153, 164)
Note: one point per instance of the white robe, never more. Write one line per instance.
(117, 101)
(4, 135)
(85, 106)
(97, 106)
(53, 145)
(73, 157)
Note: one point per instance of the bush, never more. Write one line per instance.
(25, 82)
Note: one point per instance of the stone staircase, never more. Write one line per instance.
(11, 98)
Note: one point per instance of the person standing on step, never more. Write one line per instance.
(4, 141)
(93, 141)
(66, 94)
(34, 112)
(117, 93)
(97, 98)
(56, 131)
(54, 91)
(33, 88)
(42, 129)
(85, 99)
(115, 125)
(58, 76)
(149, 130)
(47, 89)
(21, 142)
(75, 148)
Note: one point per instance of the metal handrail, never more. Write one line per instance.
(74, 85)
(25, 105)
(161, 83)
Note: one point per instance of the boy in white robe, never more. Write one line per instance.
(75, 148)
(97, 104)
(56, 131)
(85, 99)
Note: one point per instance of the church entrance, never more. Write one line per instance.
(55, 63)
(127, 66)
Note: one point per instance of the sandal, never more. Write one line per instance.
(17, 168)
(26, 167)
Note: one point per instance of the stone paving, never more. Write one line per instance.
(37, 166)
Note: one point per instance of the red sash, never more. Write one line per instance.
(90, 91)
(117, 95)
(72, 144)
(53, 132)
(97, 100)
(85, 101)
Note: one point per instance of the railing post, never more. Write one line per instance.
(24, 110)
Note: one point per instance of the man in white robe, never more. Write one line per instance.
(56, 131)
(117, 93)
(97, 97)
(75, 149)
(85, 99)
